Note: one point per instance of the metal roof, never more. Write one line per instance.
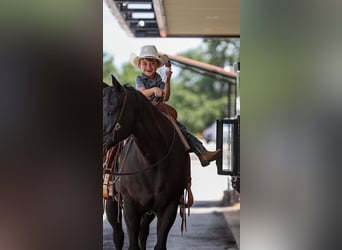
(178, 18)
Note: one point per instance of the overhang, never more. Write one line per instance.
(178, 18)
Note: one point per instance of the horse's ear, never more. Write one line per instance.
(116, 85)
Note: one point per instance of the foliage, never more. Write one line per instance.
(194, 109)
(201, 100)
(108, 68)
(128, 74)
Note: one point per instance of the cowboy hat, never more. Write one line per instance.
(148, 51)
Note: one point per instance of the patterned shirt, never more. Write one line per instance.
(143, 81)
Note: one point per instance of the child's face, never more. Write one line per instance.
(148, 67)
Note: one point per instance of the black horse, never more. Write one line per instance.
(151, 187)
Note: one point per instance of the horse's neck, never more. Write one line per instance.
(153, 132)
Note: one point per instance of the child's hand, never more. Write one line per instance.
(168, 71)
(157, 92)
(168, 74)
(168, 64)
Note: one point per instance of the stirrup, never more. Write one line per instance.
(107, 187)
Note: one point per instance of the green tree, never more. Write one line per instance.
(200, 99)
(108, 68)
(128, 74)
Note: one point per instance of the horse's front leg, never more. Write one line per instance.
(146, 220)
(164, 224)
(132, 219)
(112, 210)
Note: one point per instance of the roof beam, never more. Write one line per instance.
(117, 14)
(203, 68)
(160, 16)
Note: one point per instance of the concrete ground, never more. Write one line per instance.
(210, 226)
(207, 185)
(208, 211)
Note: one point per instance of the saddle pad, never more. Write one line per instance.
(135, 156)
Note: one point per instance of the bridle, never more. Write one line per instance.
(118, 125)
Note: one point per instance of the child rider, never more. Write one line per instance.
(150, 83)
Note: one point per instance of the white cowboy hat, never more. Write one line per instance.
(148, 51)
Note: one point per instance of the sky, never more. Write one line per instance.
(117, 43)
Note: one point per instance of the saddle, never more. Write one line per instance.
(115, 163)
(168, 110)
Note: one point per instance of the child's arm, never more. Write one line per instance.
(148, 93)
(167, 89)
(155, 91)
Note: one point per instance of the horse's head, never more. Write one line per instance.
(117, 120)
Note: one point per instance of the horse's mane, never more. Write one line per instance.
(136, 93)
(144, 101)
(146, 108)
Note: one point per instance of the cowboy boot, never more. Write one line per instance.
(197, 147)
(204, 155)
